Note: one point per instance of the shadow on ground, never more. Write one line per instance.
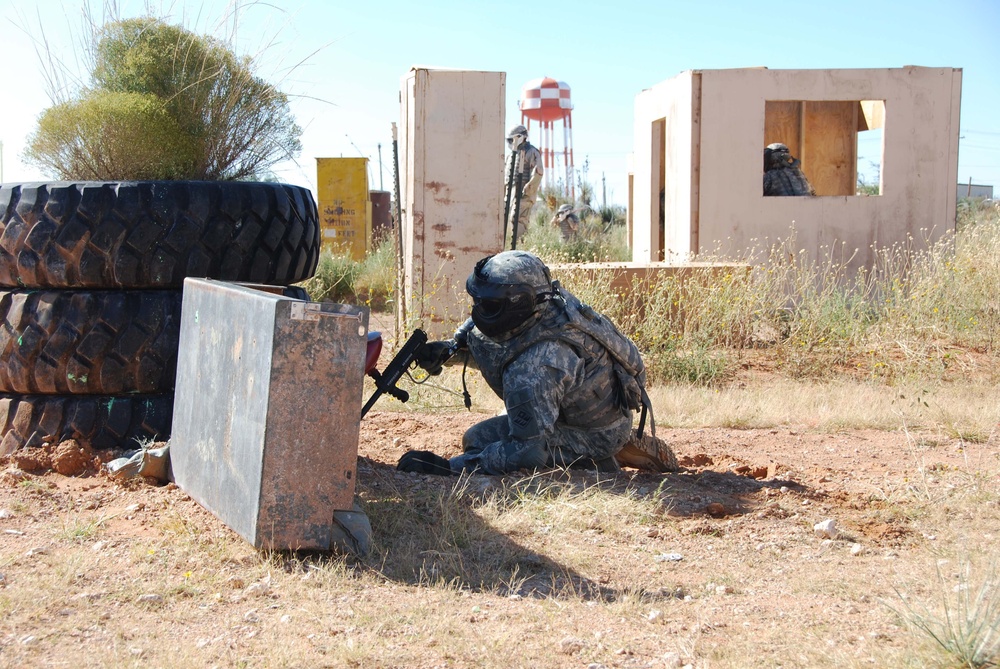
(426, 531)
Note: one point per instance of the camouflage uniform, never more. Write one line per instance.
(568, 222)
(561, 395)
(783, 174)
(531, 173)
(569, 378)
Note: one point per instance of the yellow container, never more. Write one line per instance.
(344, 209)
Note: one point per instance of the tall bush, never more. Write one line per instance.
(130, 135)
(189, 107)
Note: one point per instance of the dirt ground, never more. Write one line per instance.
(739, 469)
(731, 573)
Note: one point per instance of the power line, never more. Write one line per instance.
(966, 145)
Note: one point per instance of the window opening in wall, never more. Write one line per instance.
(820, 147)
(870, 162)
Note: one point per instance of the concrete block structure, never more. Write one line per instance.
(267, 412)
(451, 153)
(699, 140)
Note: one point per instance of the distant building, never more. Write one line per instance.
(697, 181)
(975, 190)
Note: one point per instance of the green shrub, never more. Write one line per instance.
(127, 134)
(334, 279)
(376, 281)
(370, 282)
(165, 103)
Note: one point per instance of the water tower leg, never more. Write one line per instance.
(568, 140)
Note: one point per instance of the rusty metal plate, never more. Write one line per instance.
(267, 411)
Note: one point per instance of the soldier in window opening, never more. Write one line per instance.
(568, 222)
(568, 378)
(782, 174)
(530, 169)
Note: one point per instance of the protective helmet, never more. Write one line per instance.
(506, 288)
(776, 155)
(517, 130)
(517, 136)
(564, 209)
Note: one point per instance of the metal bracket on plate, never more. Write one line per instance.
(305, 311)
(311, 311)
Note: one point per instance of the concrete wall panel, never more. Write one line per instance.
(451, 159)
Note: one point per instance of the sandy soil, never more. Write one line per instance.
(741, 470)
(733, 563)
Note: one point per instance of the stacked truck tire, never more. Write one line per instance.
(91, 278)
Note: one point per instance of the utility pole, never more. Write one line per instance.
(380, 166)
(604, 191)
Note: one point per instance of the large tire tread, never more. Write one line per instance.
(154, 234)
(105, 422)
(103, 342)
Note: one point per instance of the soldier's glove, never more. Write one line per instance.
(461, 336)
(424, 462)
(432, 356)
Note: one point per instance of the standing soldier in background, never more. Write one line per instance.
(782, 174)
(527, 172)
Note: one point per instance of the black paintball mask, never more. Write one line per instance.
(502, 300)
(776, 156)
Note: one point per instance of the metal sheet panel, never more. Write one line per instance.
(342, 200)
(267, 411)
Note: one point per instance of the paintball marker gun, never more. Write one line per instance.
(416, 351)
(385, 382)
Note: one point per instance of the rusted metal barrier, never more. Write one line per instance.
(267, 413)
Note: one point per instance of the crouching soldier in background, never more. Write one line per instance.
(783, 173)
(567, 221)
(569, 379)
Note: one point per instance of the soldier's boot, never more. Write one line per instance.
(649, 453)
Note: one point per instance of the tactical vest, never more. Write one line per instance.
(615, 374)
(532, 156)
(787, 180)
(629, 368)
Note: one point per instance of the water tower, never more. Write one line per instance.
(547, 101)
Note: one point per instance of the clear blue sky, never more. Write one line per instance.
(342, 61)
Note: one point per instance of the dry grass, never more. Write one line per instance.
(921, 314)
(969, 411)
(966, 411)
(564, 569)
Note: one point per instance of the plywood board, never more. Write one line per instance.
(830, 152)
(783, 123)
